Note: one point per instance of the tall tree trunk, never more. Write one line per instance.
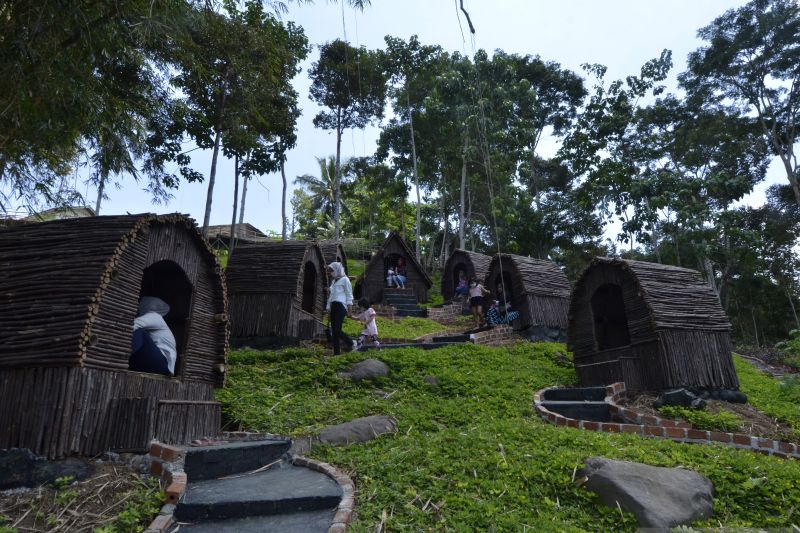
(416, 176)
(337, 185)
(755, 326)
(283, 200)
(403, 208)
(100, 188)
(709, 268)
(462, 222)
(446, 228)
(469, 216)
(213, 174)
(235, 203)
(244, 197)
(794, 311)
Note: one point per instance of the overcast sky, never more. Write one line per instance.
(621, 34)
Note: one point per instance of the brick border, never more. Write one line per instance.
(344, 512)
(651, 426)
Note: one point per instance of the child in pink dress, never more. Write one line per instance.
(367, 317)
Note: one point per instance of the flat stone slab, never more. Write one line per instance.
(19, 467)
(366, 370)
(303, 522)
(660, 498)
(209, 462)
(283, 489)
(358, 430)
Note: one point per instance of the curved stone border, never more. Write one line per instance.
(344, 513)
(651, 426)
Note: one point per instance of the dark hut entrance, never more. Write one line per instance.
(372, 284)
(471, 264)
(504, 288)
(610, 320)
(309, 288)
(168, 281)
(390, 262)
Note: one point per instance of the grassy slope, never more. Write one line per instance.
(475, 448)
(773, 397)
(405, 328)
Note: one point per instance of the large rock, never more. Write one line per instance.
(358, 430)
(19, 467)
(660, 498)
(680, 398)
(366, 369)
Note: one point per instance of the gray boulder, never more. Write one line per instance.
(358, 430)
(367, 369)
(19, 467)
(681, 398)
(660, 498)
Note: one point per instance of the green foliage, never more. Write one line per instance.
(142, 503)
(355, 267)
(721, 421)
(780, 399)
(471, 454)
(408, 327)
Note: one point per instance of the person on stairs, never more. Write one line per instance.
(367, 318)
(153, 348)
(340, 298)
(400, 273)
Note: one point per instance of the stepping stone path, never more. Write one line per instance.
(252, 486)
(580, 403)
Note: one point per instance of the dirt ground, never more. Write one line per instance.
(97, 502)
(754, 421)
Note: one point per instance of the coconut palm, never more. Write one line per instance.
(321, 189)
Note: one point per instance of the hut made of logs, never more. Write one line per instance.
(471, 264)
(277, 292)
(652, 326)
(373, 281)
(537, 289)
(69, 291)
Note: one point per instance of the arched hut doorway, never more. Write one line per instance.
(309, 299)
(372, 283)
(652, 326)
(471, 264)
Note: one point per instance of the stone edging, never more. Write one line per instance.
(166, 463)
(344, 512)
(651, 426)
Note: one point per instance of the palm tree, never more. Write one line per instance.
(321, 189)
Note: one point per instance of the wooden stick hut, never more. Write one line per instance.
(652, 326)
(538, 289)
(277, 292)
(373, 281)
(69, 291)
(471, 264)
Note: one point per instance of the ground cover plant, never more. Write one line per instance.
(722, 420)
(779, 398)
(409, 327)
(470, 454)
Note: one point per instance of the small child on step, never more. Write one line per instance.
(367, 318)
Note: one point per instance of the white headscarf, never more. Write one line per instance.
(337, 269)
(152, 304)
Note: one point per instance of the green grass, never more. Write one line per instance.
(405, 328)
(778, 398)
(355, 267)
(472, 455)
(722, 421)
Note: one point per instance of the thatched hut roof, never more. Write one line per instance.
(333, 251)
(538, 277)
(270, 267)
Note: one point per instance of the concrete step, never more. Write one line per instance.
(452, 338)
(594, 411)
(303, 522)
(401, 301)
(280, 490)
(420, 313)
(209, 462)
(406, 307)
(422, 345)
(578, 394)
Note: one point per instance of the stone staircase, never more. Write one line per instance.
(583, 403)
(253, 486)
(404, 302)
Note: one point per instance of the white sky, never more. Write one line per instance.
(621, 34)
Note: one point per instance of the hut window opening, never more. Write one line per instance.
(167, 281)
(309, 288)
(610, 319)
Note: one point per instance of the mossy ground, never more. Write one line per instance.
(471, 454)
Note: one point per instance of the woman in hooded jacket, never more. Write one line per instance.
(340, 298)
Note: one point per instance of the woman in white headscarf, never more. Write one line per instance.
(340, 297)
(154, 347)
